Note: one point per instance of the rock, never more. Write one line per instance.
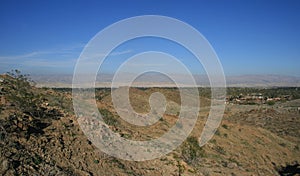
(30, 118)
(20, 125)
(2, 100)
(4, 166)
(183, 164)
(20, 119)
(232, 165)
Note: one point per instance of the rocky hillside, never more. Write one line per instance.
(39, 135)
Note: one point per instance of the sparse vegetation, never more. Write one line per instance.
(225, 126)
(21, 94)
(192, 153)
(220, 150)
(282, 144)
(218, 132)
(108, 117)
(271, 103)
(37, 159)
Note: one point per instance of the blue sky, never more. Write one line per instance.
(250, 37)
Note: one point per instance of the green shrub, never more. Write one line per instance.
(220, 150)
(191, 151)
(37, 159)
(218, 132)
(21, 93)
(225, 126)
(283, 144)
(213, 141)
(108, 117)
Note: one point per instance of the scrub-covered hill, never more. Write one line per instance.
(41, 136)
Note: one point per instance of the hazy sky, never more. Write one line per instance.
(250, 37)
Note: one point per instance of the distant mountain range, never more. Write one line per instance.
(154, 79)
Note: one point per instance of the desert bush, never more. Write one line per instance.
(271, 103)
(108, 117)
(283, 144)
(220, 150)
(30, 116)
(191, 151)
(225, 126)
(218, 132)
(21, 94)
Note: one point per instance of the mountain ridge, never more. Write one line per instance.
(148, 80)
